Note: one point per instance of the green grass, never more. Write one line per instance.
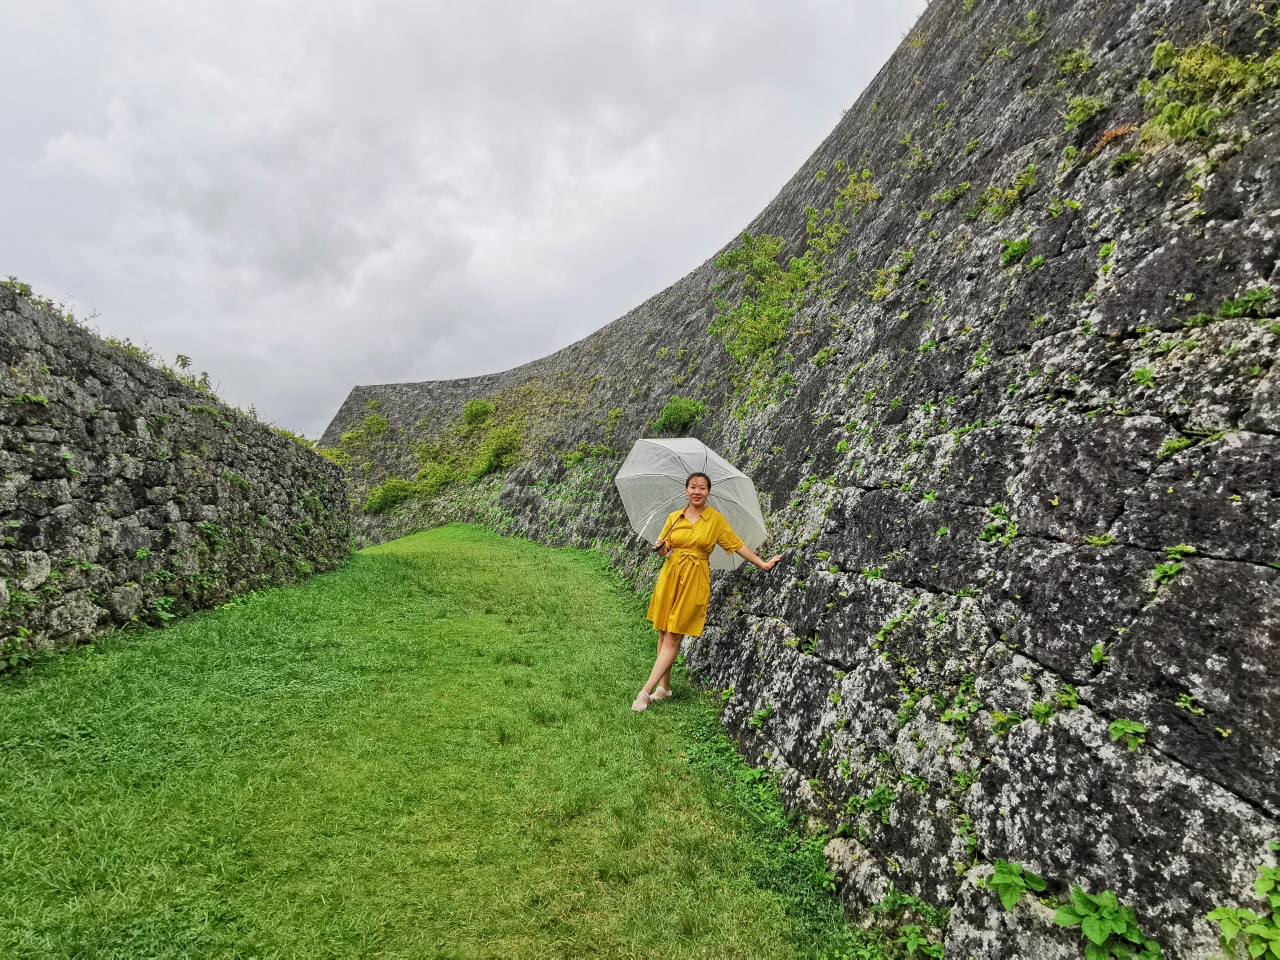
(427, 753)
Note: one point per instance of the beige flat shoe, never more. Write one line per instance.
(642, 702)
(660, 693)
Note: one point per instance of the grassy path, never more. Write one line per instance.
(428, 753)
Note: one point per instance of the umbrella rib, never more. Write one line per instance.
(656, 510)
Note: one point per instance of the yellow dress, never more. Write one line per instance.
(679, 603)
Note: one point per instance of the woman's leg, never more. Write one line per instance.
(668, 648)
(665, 682)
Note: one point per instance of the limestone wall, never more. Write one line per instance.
(130, 497)
(1027, 493)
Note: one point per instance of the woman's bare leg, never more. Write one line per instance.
(668, 649)
(665, 681)
(666, 677)
(677, 639)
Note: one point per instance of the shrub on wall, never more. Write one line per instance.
(389, 493)
(678, 414)
(434, 477)
(476, 412)
(501, 448)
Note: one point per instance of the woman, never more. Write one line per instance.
(679, 605)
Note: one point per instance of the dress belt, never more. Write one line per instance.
(689, 553)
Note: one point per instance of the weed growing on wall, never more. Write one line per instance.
(499, 449)
(1074, 61)
(357, 442)
(1250, 302)
(1261, 934)
(879, 802)
(1082, 110)
(1122, 164)
(880, 283)
(1011, 880)
(488, 435)
(1130, 731)
(1014, 250)
(771, 295)
(1198, 86)
(1109, 929)
(952, 193)
(997, 202)
(678, 414)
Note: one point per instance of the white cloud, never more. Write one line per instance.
(309, 195)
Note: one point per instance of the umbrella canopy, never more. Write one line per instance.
(651, 483)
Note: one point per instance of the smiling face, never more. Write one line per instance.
(697, 490)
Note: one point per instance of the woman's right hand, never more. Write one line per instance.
(660, 547)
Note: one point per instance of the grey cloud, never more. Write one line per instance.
(307, 195)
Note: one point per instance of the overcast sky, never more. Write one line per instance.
(308, 195)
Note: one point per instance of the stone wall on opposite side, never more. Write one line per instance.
(129, 496)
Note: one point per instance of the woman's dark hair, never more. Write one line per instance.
(699, 474)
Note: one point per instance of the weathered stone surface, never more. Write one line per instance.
(130, 496)
(973, 470)
(1135, 823)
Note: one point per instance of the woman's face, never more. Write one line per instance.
(697, 491)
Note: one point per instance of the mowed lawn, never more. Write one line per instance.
(427, 753)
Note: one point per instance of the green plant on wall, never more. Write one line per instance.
(879, 801)
(1130, 731)
(1109, 929)
(494, 433)
(910, 936)
(1011, 880)
(1198, 86)
(1002, 529)
(1258, 935)
(771, 294)
(1249, 302)
(880, 283)
(390, 493)
(356, 443)
(1014, 250)
(13, 652)
(476, 412)
(499, 449)
(487, 435)
(996, 202)
(678, 414)
(1082, 110)
(759, 718)
(433, 478)
(1074, 61)
(951, 193)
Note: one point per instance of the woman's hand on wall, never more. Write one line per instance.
(750, 555)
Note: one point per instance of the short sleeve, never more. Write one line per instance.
(666, 527)
(727, 538)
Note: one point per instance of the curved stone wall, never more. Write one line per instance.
(1018, 443)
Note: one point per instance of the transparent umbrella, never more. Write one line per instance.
(651, 483)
